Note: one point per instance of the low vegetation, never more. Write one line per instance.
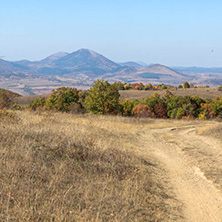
(104, 98)
(69, 167)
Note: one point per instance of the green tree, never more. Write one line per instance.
(62, 99)
(127, 107)
(186, 85)
(148, 86)
(37, 103)
(119, 85)
(103, 98)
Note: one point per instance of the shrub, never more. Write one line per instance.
(127, 107)
(148, 86)
(160, 111)
(216, 107)
(119, 85)
(62, 99)
(5, 99)
(219, 88)
(140, 86)
(37, 103)
(186, 85)
(152, 100)
(103, 98)
(142, 110)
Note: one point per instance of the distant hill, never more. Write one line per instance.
(12, 66)
(130, 64)
(82, 61)
(161, 69)
(82, 67)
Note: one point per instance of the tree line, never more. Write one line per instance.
(104, 98)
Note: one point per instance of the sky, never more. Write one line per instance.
(168, 32)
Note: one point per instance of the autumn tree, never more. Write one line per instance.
(186, 85)
(148, 86)
(142, 110)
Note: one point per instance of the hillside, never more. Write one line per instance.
(62, 167)
(82, 67)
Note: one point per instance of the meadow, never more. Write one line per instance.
(65, 167)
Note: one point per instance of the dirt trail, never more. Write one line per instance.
(201, 199)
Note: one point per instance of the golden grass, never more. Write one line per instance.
(214, 130)
(64, 167)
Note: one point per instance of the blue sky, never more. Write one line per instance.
(169, 32)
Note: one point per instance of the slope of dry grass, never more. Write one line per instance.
(63, 167)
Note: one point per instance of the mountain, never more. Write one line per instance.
(11, 66)
(130, 63)
(161, 69)
(82, 67)
(85, 60)
(54, 57)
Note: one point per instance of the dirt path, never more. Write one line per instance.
(201, 198)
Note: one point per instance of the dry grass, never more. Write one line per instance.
(202, 92)
(24, 101)
(212, 131)
(63, 167)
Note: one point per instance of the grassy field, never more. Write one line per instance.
(202, 92)
(64, 167)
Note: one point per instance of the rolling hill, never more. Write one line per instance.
(82, 67)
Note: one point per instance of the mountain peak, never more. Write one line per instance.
(55, 56)
(87, 52)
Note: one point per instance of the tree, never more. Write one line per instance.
(119, 85)
(219, 88)
(103, 98)
(37, 103)
(127, 107)
(140, 86)
(186, 85)
(142, 110)
(148, 86)
(62, 99)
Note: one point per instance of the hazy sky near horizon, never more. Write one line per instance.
(169, 32)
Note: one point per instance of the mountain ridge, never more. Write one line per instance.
(83, 61)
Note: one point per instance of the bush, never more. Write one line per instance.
(119, 85)
(160, 111)
(186, 85)
(127, 107)
(148, 86)
(219, 88)
(37, 103)
(62, 99)
(5, 99)
(142, 110)
(153, 100)
(103, 98)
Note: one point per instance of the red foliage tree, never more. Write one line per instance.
(160, 111)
